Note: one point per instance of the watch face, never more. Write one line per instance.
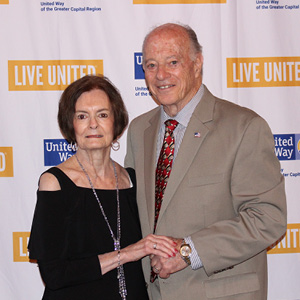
(185, 250)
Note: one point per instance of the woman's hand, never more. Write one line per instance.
(150, 245)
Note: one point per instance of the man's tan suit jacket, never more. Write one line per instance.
(225, 191)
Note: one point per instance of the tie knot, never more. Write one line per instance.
(171, 124)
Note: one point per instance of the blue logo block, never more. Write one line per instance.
(57, 151)
(138, 66)
(297, 145)
(285, 147)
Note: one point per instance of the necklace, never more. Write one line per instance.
(117, 240)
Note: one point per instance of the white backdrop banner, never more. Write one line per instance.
(251, 57)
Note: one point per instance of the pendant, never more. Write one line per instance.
(116, 244)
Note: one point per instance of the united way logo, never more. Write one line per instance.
(57, 151)
(138, 66)
(287, 146)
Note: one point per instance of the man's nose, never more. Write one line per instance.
(162, 73)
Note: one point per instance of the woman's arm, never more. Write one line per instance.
(150, 245)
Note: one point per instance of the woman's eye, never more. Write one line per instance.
(103, 115)
(81, 117)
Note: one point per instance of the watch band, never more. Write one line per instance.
(187, 260)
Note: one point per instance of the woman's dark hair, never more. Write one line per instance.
(88, 83)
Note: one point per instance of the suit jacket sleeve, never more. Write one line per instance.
(258, 201)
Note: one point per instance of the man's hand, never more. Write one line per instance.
(166, 266)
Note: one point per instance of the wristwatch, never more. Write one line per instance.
(185, 252)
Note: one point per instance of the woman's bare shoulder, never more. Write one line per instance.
(48, 182)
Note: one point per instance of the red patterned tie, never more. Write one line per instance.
(163, 170)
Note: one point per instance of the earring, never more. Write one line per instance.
(115, 145)
(74, 146)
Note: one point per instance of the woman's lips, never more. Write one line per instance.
(94, 136)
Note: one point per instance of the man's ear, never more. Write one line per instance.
(198, 65)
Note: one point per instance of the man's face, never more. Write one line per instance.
(171, 75)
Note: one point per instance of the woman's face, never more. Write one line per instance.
(93, 121)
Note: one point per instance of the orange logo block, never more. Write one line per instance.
(290, 242)
(6, 162)
(4, 1)
(263, 71)
(177, 1)
(20, 242)
(49, 75)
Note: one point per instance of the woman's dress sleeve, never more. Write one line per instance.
(48, 244)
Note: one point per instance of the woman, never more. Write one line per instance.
(85, 233)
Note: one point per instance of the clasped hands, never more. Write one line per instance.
(164, 267)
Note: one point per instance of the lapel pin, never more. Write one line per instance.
(197, 134)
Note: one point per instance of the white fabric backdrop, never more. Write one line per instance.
(251, 57)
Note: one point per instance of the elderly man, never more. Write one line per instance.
(207, 175)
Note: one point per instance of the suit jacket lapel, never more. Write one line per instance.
(189, 147)
(150, 143)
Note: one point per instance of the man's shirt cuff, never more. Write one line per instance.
(196, 262)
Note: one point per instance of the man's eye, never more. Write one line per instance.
(150, 66)
(174, 62)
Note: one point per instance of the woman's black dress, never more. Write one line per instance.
(69, 231)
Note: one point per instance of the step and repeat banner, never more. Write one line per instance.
(251, 54)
